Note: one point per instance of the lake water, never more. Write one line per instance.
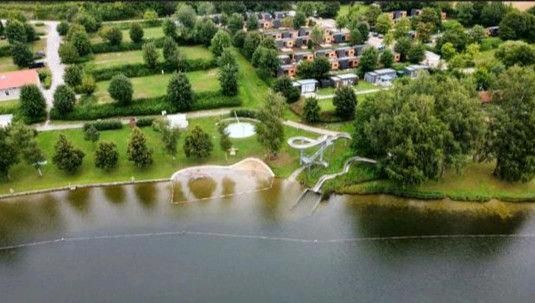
(132, 244)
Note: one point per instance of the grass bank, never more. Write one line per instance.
(24, 177)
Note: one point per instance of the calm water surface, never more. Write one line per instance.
(131, 244)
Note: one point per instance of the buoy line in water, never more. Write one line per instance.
(260, 237)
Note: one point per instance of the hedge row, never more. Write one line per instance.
(143, 107)
(245, 113)
(104, 124)
(141, 69)
(105, 47)
(126, 24)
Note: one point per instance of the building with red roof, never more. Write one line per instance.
(12, 82)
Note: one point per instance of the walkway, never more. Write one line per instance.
(53, 62)
(357, 92)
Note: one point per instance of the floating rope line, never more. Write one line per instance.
(261, 237)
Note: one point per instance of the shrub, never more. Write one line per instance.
(345, 102)
(121, 90)
(228, 80)
(45, 76)
(32, 103)
(106, 155)
(150, 55)
(64, 99)
(62, 28)
(73, 75)
(220, 41)
(22, 54)
(113, 35)
(285, 87)
(136, 32)
(68, 53)
(144, 122)
(311, 110)
(198, 144)
(66, 157)
(104, 125)
(179, 92)
(81, 42)
(91, 134)
(88, 84)
(137, 151)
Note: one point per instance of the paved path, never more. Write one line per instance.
(53, 62)
(357, 92)
(311, 129)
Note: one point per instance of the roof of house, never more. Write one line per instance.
(344, 76)
(306, 81)
(414, 67)
(18, 78)
(383, 71)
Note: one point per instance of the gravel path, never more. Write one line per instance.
(53, 62)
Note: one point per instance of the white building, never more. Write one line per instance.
(12, 82)
(307, 86)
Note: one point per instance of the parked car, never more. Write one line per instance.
(37, 64)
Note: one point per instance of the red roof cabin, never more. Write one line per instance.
(12, 82)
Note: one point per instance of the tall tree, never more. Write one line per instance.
(64, 99)
(220, 41)
(511, 137)
(8, 153)
(228, 80)
(198, 144)
(311, 110)
(23, 139)
(120, 89)
(383, 24)
(345, 102)
(106, 155)
(22, 54)
(179, 92)
(150, 54)
(204, 30)
(32, 103)
(368, 60)
(136, 32)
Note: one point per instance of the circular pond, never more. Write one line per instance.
(240, 130)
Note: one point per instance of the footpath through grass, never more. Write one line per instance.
(24, 177)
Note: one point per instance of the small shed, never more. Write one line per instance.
(414, 70)
(5, 120)
(380, 76)
(177, 121)
(344, 80)
(307, 86)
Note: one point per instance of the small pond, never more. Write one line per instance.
(240, 129)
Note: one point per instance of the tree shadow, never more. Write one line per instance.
(202, 188)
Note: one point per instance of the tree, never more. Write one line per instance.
(150, 16)
(518, 25)
(150, 55)
(91, 133)
(8, 153)
(402, 28)
(169, 49)
(169, 137)
(420, 129)
(316, 36)
(383, 24)
(137, 150)
(2, 29)
(169, 28)
(368, 60)
(68, 53)
(226, 58)
(270, 130)
(205, 8)
(66, 156)
(204, 30)
(456, 36)
(307, 8)
(73, 75)
(510, 138)
(267, 61)
(23, 139)
(252, 22)
(448, 51)
(416, 53)
(402, 47)
(477, 33)
(373, 14)
(284, 86)
(220, 41)
(387, 58)
(311, 110)
(493, 13)
(106, 155)
(235, 23)
(238, 39)
(74, 28)
(299, 20)
(62, 28)
(22, 54)
(228, 80)
(64, 99)
(251, 42)
(198, 144)
(516, 52)
(120, 89)
(328, 10)
(81, 42)
(465, 13)
(179, 92)
(113, 35)
(136, 32)
(15, 32)
(356, 36)
(424, 31)
(186, 15)
(345, 102)
(87, 21)
(32, 102)
(88, 85)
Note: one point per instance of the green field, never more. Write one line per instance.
(24, 177)
(253, 90)
(361, 86)
(136, 56)
(156, 85)
(148, 33)
(7, 65)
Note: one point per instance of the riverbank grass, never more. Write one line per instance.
(24, 177)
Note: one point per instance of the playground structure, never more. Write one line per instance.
(302, 143)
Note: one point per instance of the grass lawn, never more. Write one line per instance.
(253, 90)
(136, 56)
(148, 33)
(7, 65)
(361, 86)
(156, 85)
(9, 106)
(24, 177)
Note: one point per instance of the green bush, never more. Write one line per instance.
(104, 47)
(104, 124)
(245, 113)
(490, 43)
(141, 69)
(45, 76)
(144, 122)
(5, 51)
